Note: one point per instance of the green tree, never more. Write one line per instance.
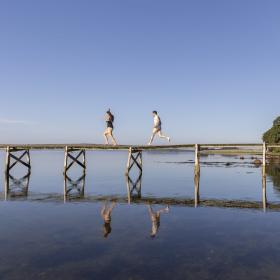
(272, 136)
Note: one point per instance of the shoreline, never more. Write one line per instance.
(239, 152)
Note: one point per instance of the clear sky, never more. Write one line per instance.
(210, 67)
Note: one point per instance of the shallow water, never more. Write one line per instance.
(44, 235)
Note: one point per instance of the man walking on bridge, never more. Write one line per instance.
(157, 128)
(109, 118)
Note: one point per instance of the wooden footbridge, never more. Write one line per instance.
(75, 155)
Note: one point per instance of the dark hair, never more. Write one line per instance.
(107, 229)
(155, 112)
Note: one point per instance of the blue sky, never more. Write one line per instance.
(211, 69)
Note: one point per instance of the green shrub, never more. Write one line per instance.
(272, 136)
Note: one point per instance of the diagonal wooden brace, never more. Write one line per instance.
(134, 159)
(70, 159)
(12, 155)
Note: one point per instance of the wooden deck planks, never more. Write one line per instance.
(89, 146)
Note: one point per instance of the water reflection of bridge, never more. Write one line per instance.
(74, 189)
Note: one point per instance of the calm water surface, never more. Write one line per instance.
(44, 236)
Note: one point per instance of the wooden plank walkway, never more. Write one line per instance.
(88, 146)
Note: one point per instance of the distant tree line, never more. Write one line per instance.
(272, 136)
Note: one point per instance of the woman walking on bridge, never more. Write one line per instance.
(157, 128)
(109, 118)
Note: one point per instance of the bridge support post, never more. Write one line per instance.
(74, 156)
(16, 156)
(264, 154)
(196, 154)
(134, 159)
(196, 175)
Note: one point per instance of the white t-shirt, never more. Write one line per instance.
(157, 121)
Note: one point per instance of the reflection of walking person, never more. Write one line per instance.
(106, 216)
(109, 118)
(157, 128)
(155, 219)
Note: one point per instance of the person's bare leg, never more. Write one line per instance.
(106, 138)
(153, 136)
(163, 136)
(152, 139)
(113, 139)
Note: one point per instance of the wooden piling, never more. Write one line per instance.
(7, 160)
(196, 174)
(134, 159)
(128, 161)
(65, 159)
(264, 154)
(196, 154)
